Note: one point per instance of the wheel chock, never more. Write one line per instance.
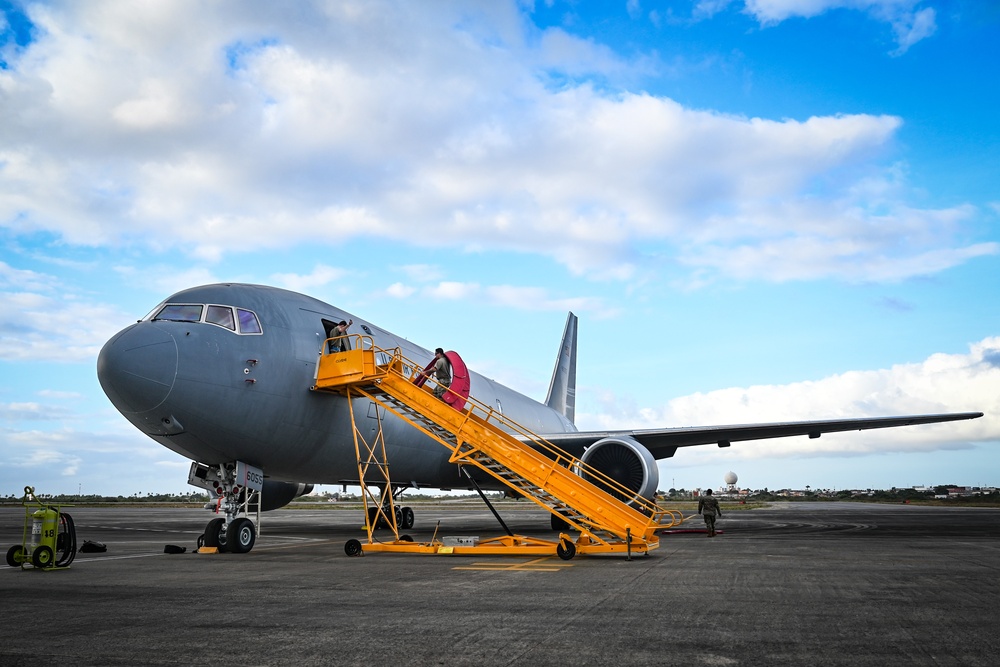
(207, 550)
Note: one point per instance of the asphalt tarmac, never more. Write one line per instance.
(791, 584)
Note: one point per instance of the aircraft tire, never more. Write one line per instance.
(214, 535)
(558, 523)
(376, 520)
(15, 555)
(407, 522)
(353, 548)
(241, 535)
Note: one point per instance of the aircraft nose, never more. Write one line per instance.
(137, 367)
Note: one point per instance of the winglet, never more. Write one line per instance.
(562, 388)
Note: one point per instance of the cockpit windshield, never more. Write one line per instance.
(237, 320)
(180, 313)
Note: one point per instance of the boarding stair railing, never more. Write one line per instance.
(609, 516)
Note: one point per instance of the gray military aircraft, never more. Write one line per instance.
(221, 374)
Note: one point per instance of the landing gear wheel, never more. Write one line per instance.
(15, 555)
(407, 521)
(352, 548)
(375, 519)
(566, 550)
(241, 535)
(215, 536)
(558, 523)
(201, 540)
(42, 556)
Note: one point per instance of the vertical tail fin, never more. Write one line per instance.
(562, 388)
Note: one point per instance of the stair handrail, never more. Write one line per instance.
(524, 435)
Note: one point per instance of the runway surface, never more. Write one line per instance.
(791, 584)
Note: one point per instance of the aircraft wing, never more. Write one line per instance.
(663, 442)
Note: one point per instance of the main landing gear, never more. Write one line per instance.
(404, 515)
(233, 485)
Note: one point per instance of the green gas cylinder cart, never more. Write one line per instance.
(49, 538)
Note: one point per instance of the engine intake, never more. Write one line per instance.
(625, 461)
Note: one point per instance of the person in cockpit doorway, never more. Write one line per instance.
(441, 372)
(708, 507)
(340, 344)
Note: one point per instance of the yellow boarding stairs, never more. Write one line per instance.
(478, 435)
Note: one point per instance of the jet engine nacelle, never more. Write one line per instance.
(625, 461)
(278, 494)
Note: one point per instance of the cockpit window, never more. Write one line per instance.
(221, 315)
(248, 322)
(212, 314)
(180, 313)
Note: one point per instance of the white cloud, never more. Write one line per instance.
(400, 291)
(709, 8)
(507, 296)
(452, 291)
(21, 411)
(259, 129)
(910, 29)
(941, 383)
(20, 279)
(321, 276)
(164, 279)
(909, 24)
(422, 272)
(537, 298)
(50, 328)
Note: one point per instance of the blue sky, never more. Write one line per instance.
(761, 210)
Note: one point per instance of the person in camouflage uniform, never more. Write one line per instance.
(708, 507)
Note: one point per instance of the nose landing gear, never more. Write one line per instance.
(238, 488)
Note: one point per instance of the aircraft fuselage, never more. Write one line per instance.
(215, 393)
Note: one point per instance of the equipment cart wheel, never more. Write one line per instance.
(241, 535)
(15, 555)
(565, 549)
(42, 556)
(352, 548)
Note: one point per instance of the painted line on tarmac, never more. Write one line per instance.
(536, 565)
(298, 544)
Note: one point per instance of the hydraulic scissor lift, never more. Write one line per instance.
(608, 517)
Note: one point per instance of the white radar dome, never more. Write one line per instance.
(731, 477)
